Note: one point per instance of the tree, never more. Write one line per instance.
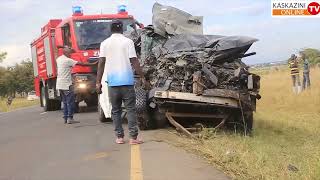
(24, 75)
(313, 55)
(16, 79)
(3, 55)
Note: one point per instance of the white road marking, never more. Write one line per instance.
(43, 113)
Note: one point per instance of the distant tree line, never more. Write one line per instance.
(17, 79)
(313, 55)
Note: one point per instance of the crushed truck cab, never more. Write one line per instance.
(196, 79)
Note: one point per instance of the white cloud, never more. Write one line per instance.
(16, 53)
(15, 6)
(249, 9)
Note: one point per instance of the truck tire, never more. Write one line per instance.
(57, 105)
(76, 107)
(248, 116)
(48, 104)
(41, 101)
(102, 117)
(92, 102)
(242, 123)
(141, 108)
(159, 119)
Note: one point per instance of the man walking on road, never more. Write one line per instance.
(64, 83)
(117, 55)
(306, 72)
(294, 68)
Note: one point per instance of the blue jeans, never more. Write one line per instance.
(306, 80)
(68, 99)
(127, 95)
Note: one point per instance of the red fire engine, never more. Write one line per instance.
(83, 33)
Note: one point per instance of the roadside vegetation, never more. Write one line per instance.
(286, 138)
(16, 104)
(15, 81)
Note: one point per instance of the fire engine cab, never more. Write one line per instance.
(83, 33)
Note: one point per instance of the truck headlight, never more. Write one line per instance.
(82, 86)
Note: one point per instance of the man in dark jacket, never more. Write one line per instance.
(306, 72)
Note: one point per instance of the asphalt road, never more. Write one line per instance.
(38, 146)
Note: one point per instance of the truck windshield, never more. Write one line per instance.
(90, 33)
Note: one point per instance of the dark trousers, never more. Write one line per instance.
(306, 80)
(296, 80)
(127, 95)
(68, 98)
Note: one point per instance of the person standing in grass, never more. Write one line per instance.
(294, 69)
(306, 72)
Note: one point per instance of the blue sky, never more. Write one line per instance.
(278, 37)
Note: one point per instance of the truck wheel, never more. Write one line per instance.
(242, 124)
(91, 102)
(159, 119)
(141, 108)
(41, 100)
(57, 105)
(76, 107)
(49, 104)
(102, 117)
(248, 116)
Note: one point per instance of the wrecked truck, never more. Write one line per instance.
(195, 80)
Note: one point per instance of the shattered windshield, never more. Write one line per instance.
(90, 33)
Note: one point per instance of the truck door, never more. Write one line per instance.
(66, 35)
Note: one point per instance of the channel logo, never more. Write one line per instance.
(295, 8)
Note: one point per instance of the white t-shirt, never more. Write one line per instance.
(118, 50)
(64, 66)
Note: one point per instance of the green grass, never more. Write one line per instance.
(16, 104)
(286, 134)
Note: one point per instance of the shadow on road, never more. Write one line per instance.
(89, 125)
(85, 109)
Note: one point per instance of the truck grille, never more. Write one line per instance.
(92, 60)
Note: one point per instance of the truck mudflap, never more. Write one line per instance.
(213, 100)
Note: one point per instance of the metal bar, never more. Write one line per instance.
(177, 125)
(197, 115)
(197, 103)
(222, 122)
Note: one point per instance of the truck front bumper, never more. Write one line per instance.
(193, 98)
(84, 83)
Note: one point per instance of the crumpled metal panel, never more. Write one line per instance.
(189, 42)
(173, 21)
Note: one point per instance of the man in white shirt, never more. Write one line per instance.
(117, 57)
(64, 83)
